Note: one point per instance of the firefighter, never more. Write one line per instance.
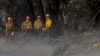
(48, 23)
(27, 24)
(37, 25)
(9, 27)
(48, 27)
(26, 28)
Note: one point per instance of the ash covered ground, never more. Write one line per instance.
(72, 43)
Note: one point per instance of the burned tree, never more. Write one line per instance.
(94, 6)
(73, 14)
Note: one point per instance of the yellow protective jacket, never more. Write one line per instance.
(38, 25)
(9, 26)
(48, 23)
(26, 25)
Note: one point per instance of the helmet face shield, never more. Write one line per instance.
(9, 18)
(47, 15)
(27, 17)
(38, 16)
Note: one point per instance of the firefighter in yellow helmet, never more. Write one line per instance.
(27, 24)
(48, 23)
(38, 23)
(9, 27)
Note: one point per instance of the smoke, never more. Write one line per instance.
(70, 44)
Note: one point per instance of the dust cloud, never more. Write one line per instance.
(70, 44)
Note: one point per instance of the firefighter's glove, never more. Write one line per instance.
(44, 29)
(12, 33)
(28, 27)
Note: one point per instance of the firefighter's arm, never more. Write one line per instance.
(34, 25)
(30, 25)
(48, 25)
(40, 24)
(12, 27)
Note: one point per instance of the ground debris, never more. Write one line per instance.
(95, 44)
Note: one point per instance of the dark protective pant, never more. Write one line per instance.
(50, 33)
(37, 32)
(8, 34)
